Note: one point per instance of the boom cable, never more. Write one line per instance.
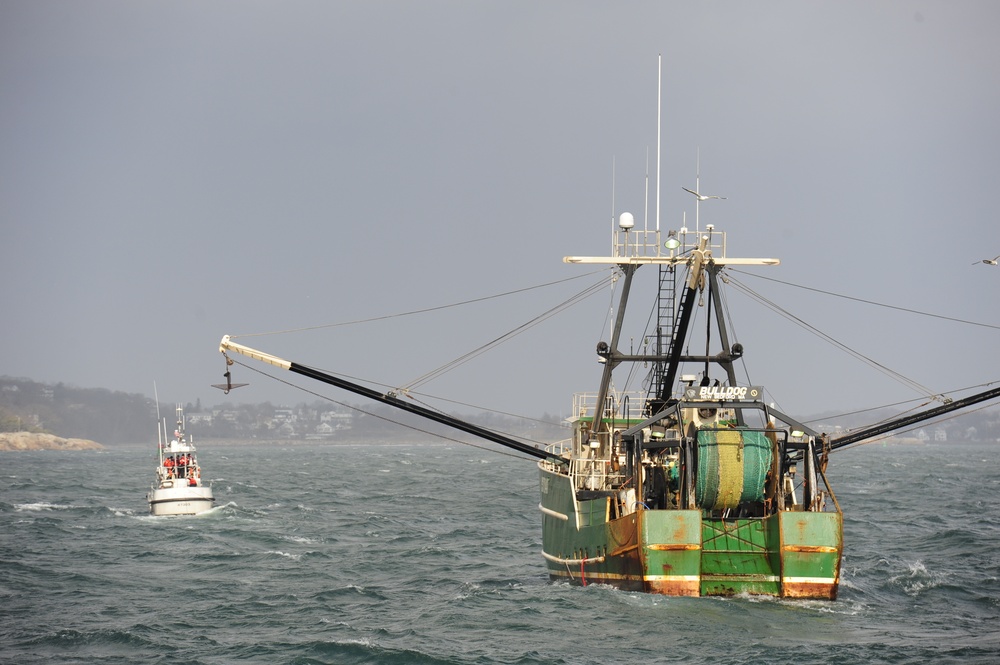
(916, 427)
(416, 311)
(372, 414)
(819, 333)
(870, 302)
(447, 367)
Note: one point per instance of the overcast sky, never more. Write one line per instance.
(171, 172)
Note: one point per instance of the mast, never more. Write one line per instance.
(159, 432)
(659, 97)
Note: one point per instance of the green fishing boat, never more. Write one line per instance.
(695, 487)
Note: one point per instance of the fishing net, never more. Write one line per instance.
(732, 467)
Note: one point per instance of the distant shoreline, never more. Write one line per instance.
(39, 441)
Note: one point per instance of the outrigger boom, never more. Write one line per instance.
(387, 398)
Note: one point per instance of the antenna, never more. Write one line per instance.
(159, 439)
(659, 79)
(613, 167)
(697, 188)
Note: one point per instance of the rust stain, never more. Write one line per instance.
(674, 588)
(669, 547)
(821, 591)
(819, 549)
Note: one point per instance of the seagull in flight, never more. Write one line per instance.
(989, 262)
(702, 197)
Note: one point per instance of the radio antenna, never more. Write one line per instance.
(659, 79)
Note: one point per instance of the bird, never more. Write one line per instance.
(702, 197)
(989, 262)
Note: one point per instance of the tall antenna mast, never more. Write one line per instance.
(159, 432)
(659, 79)
(697, 188)
(613, 168)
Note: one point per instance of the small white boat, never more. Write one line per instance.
(178, 488)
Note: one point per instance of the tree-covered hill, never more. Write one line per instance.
(88, 413)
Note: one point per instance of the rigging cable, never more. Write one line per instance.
(923, 401)
(416, 311)
(913, 402)
(375, 415)
(871, 302)
(393, 389)
(447, 367)
(860, 356)
(916, 427)
(895, 404)
(731, 324)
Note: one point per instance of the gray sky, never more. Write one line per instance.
(174, 171)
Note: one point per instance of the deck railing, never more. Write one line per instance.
(647, 244)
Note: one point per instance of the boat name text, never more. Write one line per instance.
(752, 393)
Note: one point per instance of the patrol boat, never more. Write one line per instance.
(694, 486)
(178, 488)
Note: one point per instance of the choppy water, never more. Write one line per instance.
(431, 554)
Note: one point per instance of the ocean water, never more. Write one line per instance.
(430, 554)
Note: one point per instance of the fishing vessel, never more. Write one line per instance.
(178, 488)
(694, 486)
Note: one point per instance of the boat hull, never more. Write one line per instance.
(180, 500)
(791, 554)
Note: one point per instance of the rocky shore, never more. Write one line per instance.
(36, 441)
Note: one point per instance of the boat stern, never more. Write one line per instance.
(180, 500)
(811, 548)
(670, 550)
